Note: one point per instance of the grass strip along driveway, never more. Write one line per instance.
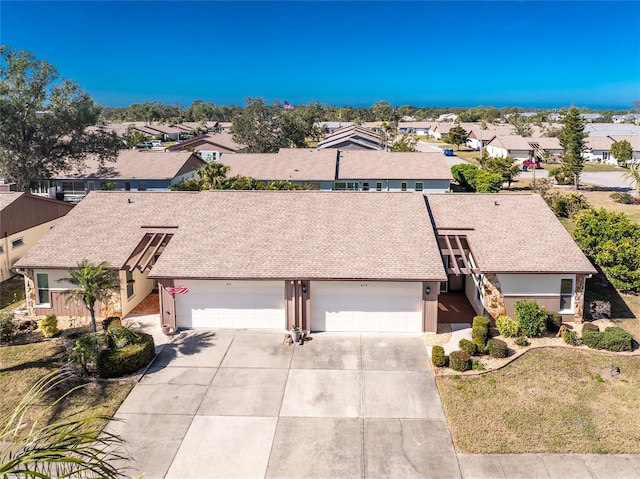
(550, 400)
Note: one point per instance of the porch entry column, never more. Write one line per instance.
(430, 291)
(297, 296)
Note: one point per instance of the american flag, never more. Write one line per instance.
(288, 106)
(178, 290)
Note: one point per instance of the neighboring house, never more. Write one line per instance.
(598, 148)
(353, 137)
(415, 127)
(514, 146)
(24, 220)
(448, 117)
(353, 170)
(544, 148)
(322, 261)
(133, 170)
(611, 129)
(328, 127)
(209, 147)
(628, 118)
(479, 138)
(441, 131)
(591, 117)
(167, 132)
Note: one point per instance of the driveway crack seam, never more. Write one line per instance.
(362, 410)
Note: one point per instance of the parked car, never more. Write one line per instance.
(447, 152)
(144, 144)
(156, 143)
(530, 164)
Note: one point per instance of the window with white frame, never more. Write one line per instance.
(42, 280)
(130, 285)
(566, 294)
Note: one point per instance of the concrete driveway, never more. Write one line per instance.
(223, 404)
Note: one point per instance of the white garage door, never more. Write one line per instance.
(366, 306)
(231, 304)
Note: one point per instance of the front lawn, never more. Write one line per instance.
(550, 400)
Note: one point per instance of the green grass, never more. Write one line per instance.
(588, 167)
(549, 400)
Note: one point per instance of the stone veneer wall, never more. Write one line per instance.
(578, 298)
(493, 300)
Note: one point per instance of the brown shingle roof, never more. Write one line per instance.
(362, 164)
(510, 142)
(518, 235)
(150, 165)
(211, 141)
(253, 234)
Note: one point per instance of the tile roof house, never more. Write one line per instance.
(132, 170)
(337, 261)
(24, 220)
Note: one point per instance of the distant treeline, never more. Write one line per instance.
(380, 111)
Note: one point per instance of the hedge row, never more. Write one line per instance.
(114, 363)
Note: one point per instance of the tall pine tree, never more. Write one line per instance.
(572, 141)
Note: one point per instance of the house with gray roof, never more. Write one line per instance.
(338, 261)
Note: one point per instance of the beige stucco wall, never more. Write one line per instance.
(142, 288)
(30, 237)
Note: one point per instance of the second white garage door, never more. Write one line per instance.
(231, 304)
(366, 306)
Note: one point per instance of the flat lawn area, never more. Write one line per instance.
(550, 400)
(601, 199)
(588, 167)
(23, 365)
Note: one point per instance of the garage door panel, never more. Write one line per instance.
(232, 304)
(371, 306)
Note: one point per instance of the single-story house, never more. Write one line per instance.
(328, 127)
(544, 147)
(415, 127)
(628, 118)
(514, 146)
(353, 170)
(353, 137)
(133, 170)
(24, 220)
(166, 132)
(598, 148)
(479, 138)
(323, 261)
(441, 131)
(209, 147)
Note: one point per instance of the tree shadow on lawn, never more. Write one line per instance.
(599, 288)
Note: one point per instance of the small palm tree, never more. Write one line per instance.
(633, 175)
(74, 446)
(95, 283)
(213, 175)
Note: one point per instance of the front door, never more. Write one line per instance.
(456, 282)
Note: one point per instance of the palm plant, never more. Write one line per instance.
(74, 446)
(95, 283)
(633, 175)
(213, 175)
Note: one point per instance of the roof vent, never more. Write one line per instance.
(496, 203)
(129, 200)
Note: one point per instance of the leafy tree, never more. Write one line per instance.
(267, 128)
(465, 174)
(405, 143)
(147, 112)
(458, 136)
(383, 111)
(134, 137)
(521, 123)
(94, 283)
(213, 175)
(74, 446)
(633, 175)
(191, 184)
(283, 185)
(486, 182)
(572, 141)
(505, 167)
(44, 120)
(622, 151)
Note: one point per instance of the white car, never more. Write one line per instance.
(156, 143)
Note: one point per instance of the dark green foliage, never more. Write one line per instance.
(561, 176)
(438, 357)
(531, 317)
(7, 326)
(522, 341)
(465, 175)
(458, 136)
(590, 327)
(554, 321)
(623, 151)
(487, 182)
(567, 205)
(119, 336)
(49, 326)
(616, 339)
(86, 349)
(505, 167)
(476, 365)
(480, 331)
(592, 338)
(468, 346)
(571, 338)
(572, 141)
(497, 348)
(111, 320)
(114, 363)
(460, 361)
(624, 198)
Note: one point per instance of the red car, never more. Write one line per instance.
(529, 164)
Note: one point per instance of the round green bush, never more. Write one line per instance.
(49, 326)
(438, 358)
(468, 346)
(616, 339)
(480, 331)
(7, 326)
(497, 348)
(571, 338)
(531, 317)
(507, 327)
(522, 341)
(592, 338)
(460, 361)
(114, 363)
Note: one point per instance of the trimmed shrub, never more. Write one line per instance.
(49, 326)
(465, 175)
(592, 338)
(571, 338)
(86, 349)
(468, 346)
(114, 363)
(522, 341)
(111, 320)
(438, 358)
(7, 326)
(497, 348)
(616, 339)
(480, 331)
(554, 321)
(589, 327)
(567, 205)
(460, 361)
(531, 317)
(119, 336)
(624, 198)
(476, 365)
(487, 182)
(507, 326)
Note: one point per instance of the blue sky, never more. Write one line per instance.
(439, 53)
